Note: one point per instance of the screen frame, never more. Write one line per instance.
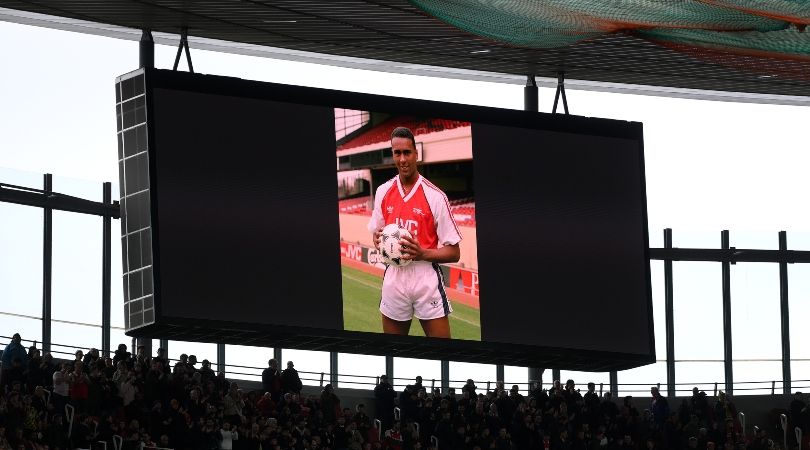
(377, 343)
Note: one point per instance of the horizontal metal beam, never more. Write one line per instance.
(732, 255)
(61, 202)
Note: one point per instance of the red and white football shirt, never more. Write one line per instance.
(424, 212)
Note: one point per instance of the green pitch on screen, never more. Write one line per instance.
(361, 303)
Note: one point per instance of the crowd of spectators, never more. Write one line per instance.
(152, 404)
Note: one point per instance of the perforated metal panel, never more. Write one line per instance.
(395, 30)
(136, 224)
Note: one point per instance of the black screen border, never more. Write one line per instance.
(377, 343)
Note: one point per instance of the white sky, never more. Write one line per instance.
(709, 166)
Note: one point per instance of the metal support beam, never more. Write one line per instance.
(535, 374)
(106, 272)
(164, 344)
(530, 94)
(555, 375)
(56, 202)
(47, 265)
(499, 372)
(147, 346)
(560, 93)
(669, 314)
(785, 315)
(727, 353)
(146, 50)
(277, 356)
(614, 384)
(183, 45)
(333, 369)
(445, 376)
(220, 358)
(389, 368)
(731, 255)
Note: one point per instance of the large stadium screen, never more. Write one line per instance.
(349, 215)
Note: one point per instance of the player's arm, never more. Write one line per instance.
(412, 250)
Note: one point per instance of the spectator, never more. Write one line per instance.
(271, 380)
(384, 396)
(13, 350)
(659, 407)
(330, 404)
(290, 380)
(181, 367)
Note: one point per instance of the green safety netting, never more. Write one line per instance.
(769, 27)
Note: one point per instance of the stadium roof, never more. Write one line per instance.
(690, 48)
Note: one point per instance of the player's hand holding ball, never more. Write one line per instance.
(391, 245)
(377, 238)
(411, 250)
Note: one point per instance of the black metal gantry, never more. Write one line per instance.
(726, 255)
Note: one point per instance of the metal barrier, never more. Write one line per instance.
(783, 421)
(378, 424)
(435, 442)
(369, 381)
(798, 432)
(741, 417)
(69, 412)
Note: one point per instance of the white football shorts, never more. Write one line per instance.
(416, 290)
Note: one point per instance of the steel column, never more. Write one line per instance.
(530, 103)
(614, 384)
(669, 313)
(555, 376)
(499, 372)
(106, 272)
(445, 376)
(164, 344)
(333, 369)
(785, 314)
(277, 356)
(389, 368)
(220, 358)
(535, 374)
(530, 94)
(146, 50)
(727, 353)
(47, 265)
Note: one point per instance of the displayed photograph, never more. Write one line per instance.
(406, 194)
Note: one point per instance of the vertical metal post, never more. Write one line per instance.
(785, 314)
(669, 314)
(727, 353)
(614, 384)
(445, 376)
(535, 374)
(277, 356)
(164, 344)
(333, 369)
(106, 272)
(530, 103)
(555, 375)
(499, 372)
(146, 50)
(220, 358)
(47, 265)
(389, 368)
(530, 94)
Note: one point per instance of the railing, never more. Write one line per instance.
(370, 381)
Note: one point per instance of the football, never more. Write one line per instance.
(390, 249)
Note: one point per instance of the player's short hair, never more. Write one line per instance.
(403, 132)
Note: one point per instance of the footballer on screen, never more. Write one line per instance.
(414, 230)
